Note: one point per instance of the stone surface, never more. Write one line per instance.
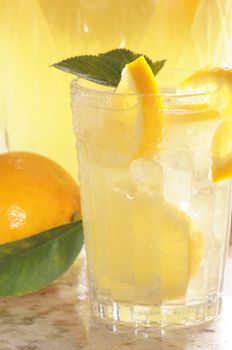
(59, 318)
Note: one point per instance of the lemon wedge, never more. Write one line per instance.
(209, 79)
(138, 78)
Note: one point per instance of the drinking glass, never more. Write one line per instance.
(156, 226)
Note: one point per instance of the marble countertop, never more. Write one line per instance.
(59, 318)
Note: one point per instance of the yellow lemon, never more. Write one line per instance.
(36, 194)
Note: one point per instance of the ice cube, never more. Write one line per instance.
(147, 175)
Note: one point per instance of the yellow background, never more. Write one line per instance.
(34, 98)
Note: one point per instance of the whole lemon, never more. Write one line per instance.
(35, 194)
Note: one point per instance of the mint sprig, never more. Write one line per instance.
(105, 68)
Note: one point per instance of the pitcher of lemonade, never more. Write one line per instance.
(36, 33)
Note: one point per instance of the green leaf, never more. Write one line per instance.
(32, 263)
(105, 68)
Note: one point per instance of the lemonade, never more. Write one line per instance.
(156, 224)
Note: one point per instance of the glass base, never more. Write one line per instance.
(164, 315)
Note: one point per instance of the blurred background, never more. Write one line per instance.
(34, 98)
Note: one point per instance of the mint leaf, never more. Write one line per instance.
(32, 263)
(105, 68)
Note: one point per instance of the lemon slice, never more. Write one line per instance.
(138, 78)
(159, 251)
(208, 79)
(221, 151)
(217, 78)
(131, 127)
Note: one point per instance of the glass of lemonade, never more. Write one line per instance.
(157, 226)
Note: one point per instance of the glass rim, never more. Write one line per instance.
(75, 86)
